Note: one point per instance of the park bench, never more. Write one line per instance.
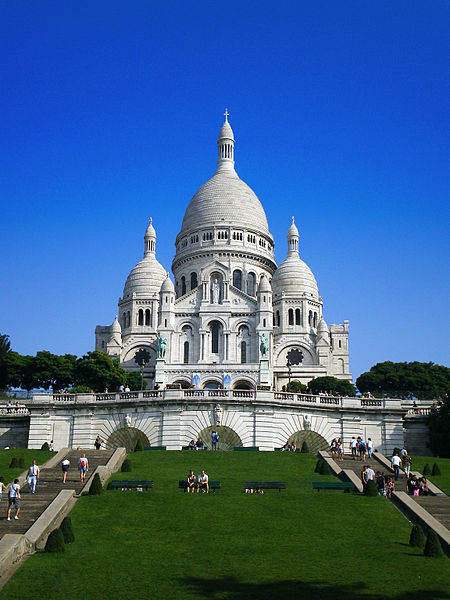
(246, 448)
(117, 484)
(154, 447)
(205, 447)
(333, 485)
(213, 485)
(265, 485)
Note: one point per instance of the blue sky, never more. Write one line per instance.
(110, 114)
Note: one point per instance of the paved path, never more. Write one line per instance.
(48, 487)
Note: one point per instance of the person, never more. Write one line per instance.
(203, 482)
(199, 444)
(406, 463)
(33, 476)
(424, 489)
(214, 439)
(362, 449)
(333, 447)
(369, 447)
(412, 486)
(127, 389)
(3, 487)
(83, 466)
(353, 447)
(403, 451)
(106, 391)
(65, 464)
(191, 482)
(395, 463)
(293, 447)
(379, 479)
(340, 450)
(390, 487)
(98, 443)
(121, 388)
(191, 445)
(14, 499)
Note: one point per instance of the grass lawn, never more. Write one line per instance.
(443, 480)
(41, 456)
(167, 544)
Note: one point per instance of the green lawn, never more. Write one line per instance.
(41, 456)
(167, 544)
(443, 480)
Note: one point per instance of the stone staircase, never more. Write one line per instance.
(48, 487)
(357, 465)
(437, 506)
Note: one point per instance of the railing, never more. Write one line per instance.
(14, 411)
(423, 412)
(370, 402)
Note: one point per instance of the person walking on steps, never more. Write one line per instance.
(33, 476)
(83, 466)
(65, 464)
(14, 499)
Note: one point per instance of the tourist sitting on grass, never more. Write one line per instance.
(390, 487)
(293, 447)
(191, 482)
(252, 491)
(203, 482)
(191, 445)
(199, 444)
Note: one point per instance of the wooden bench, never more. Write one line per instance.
(213, 485)
(154, 447)
(117, 484)
(265, 485)
(246, 448)
(347, 486)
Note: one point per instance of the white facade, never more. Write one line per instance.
(229, 295)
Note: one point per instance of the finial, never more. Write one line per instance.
(150, 221)
(226, 114)
(292, 220)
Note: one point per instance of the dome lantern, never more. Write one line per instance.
(226, 146)
(292, 237)
(150, 239)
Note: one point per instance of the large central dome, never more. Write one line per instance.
(225, 199)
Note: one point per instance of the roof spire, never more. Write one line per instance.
(150, 239)
(226, 146)
(292, 237)
(226, 115)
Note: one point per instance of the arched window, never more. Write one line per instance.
(124, 319)
(237, 279)
(278, 318)
(297, 316)
(243, 352)
(264, 322)
(251, 284)
(147, 317)
(186, 353)
(128, 318)
(103, 343)
(315, 319)
(140, 317)
(310, 318)
(194, 282)
(183, 285)
(215, 331)
(340, 344)
(291, 316)
(165, 322)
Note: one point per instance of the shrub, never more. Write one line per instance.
(396, 451)
(139, 446)
(13, 464)
(324, 468)
(318, 465)
(297, 386)
(426, 470)
(21, 463)
(417, 537)
(126, 466)
(80, 389)
(370, 488)
(96, 486)
(45, 446)
(433, 545)
(305, 448)
(67, 531)
(55, 542)
(435, 470)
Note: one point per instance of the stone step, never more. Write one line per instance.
(437, 506)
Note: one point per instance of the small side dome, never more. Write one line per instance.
(115, 327)
(167, 285)
(294, 278)
(323, 327)
(264, 285)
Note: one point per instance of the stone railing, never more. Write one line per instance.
(14, 411)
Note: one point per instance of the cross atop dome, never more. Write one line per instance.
(226, 115)
(226, 145)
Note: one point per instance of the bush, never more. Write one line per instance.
(433, 545)
(297, 386)
(370, 488)
(21, 463)
(324, 468)
(14, 463)
(318, 465)
(55, 542)
(305, 448)
(67, 531)
(396, 451)
(80, 389)
(426, 470)
(435, 470)
(126, 466)
(96, 486)
(417, 537)
(139, 446)
(45, 446)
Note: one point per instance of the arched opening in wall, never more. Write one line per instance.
(186, 353)
(185, 385)
(128, 318)
(297, 316)
(140, 317)
(194, 282)
(237, 279)
(314, 440)
(315, 320)
(341, 366)
(215, 329)
(228, 438)
(183, 285)
(147, 317)
(310, 318)
(242, 384)
(124, 320)
(278, 318)
(251, 284)
(243, 352)
(291, 316)
(212, 385)
(126, 437)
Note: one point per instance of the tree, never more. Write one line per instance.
(406, 380)
(96, 486)
(332, 385)
(99, 371)
(55, 542)
(52, 370)
(19, 371)
(5, 349)
(297, 386)
(134, 381)
(438, 427)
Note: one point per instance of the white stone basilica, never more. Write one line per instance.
(233, 319)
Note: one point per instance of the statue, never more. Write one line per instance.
(127, 421)
(217, 414)
(215, 291)
(306, 423)
(264, 345)
(162, 343)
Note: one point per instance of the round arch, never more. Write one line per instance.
(308, 353)
(314, 440)
(185, 384)
(131, 351)
(243, 384)
(212, 384)
(228, 438)
(126, 437)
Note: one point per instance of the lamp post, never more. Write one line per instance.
(288, 364)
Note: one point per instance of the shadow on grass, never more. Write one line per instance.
(229, 588)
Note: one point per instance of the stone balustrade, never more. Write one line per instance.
(14, 411)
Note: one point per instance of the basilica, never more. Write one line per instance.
(233, 318)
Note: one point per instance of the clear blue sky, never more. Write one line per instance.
(110, 112)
